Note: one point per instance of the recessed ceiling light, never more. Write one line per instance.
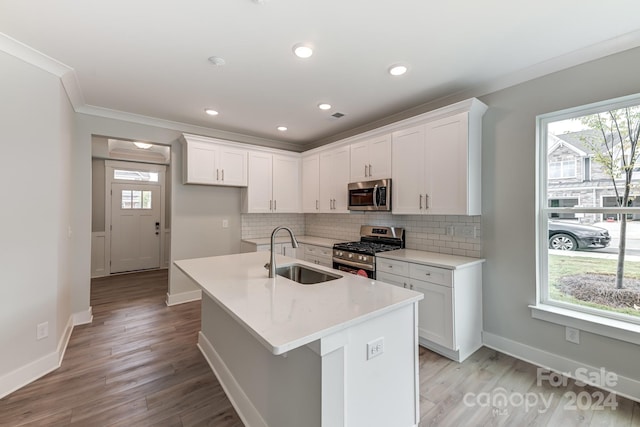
(282, 128)
(143, 145)
(302, 50)
(324, 106)
(397, 70)
(211, 112)
(216, 60)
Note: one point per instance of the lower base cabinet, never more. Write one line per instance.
(285, 249)
(318, 255)
(450, 315)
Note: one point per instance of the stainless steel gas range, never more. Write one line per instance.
(360, 257)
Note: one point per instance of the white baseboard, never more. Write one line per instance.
(625, 387)
(30, 372)
(241, 403)
(182, 297)
(83, 317)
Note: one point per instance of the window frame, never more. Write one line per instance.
(622, 326)
(562, 168)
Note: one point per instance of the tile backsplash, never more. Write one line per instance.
(450, 234)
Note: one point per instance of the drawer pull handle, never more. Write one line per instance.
(427, 274)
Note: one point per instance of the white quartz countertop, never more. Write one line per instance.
(283, 314)
(433, 259)
(284, 238)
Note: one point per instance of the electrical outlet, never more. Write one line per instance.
(225, 223)
(42, 330)
(572, 335)
(375, 348)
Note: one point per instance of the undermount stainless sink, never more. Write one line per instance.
(305, 275)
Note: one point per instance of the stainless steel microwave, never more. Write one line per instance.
(370, 195)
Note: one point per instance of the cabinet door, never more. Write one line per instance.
(392, 279)
(447, 165)
(408, 164)
(326, 182)
(435, 313)
(380, 157)
(340, 163)
(286, 184)
(260, 189)
(311, 184)
(289, 250)
(360, 160)
(233, 167)
(200, 163)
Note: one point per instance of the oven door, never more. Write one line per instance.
(365, 270)
(370, 195)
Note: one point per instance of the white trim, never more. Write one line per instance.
(36, 369)
(626, 387)
(98, 253)
(83, 317)
(600, 325)
(241, 403)
(183, 297)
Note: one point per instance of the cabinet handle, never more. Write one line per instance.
(316, 204)
(427, 274)
(411, 287)
(365, 170)
(369, 169)
(421, 201)
(426, 200)
(404, 285)
(275, 206)
(270, 205)
(217, 174)
(223, 175)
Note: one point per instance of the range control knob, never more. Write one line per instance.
(360, 258)
(350, 256)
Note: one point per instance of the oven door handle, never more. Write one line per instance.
(367, 267)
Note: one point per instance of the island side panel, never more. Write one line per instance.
(382, 391)
(266, 390)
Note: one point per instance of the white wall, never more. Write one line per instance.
(36, 185)
(508, 183)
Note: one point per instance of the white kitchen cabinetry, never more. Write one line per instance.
(436, 165)
(334, 178)
(371, 159)
(206, 162)
(311, 184)
(280, 248)
(318, 255)
(450, 315)
(274, 184)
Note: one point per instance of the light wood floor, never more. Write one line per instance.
(137, 365)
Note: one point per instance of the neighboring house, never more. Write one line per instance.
(575, 178)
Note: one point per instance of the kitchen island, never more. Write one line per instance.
(338, 353)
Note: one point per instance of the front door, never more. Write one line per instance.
(135, 227)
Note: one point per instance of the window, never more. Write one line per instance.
(582, 224)
(562, 169)
(129, 175)
(136, 199)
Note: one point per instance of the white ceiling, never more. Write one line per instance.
(149, 57)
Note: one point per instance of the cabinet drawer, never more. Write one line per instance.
(441, 276)
(392, 279)
(400, 268)
(327, 262)
(318, 251)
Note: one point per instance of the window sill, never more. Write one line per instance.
(612, 328)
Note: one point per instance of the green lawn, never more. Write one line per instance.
(562, 266)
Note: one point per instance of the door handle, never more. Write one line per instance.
(157, 228)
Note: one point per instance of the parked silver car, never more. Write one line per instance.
(570, 236)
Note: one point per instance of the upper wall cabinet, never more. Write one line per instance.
(311, 184)
(436, 165)
(371, 159)
(334, 178)
(206, 162)
(274, 184)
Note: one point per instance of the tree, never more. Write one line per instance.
(615, 147)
